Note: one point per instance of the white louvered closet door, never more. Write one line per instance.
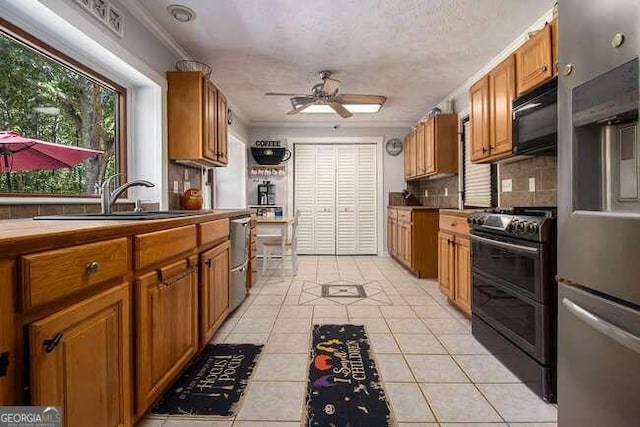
(305, 179)
(346, 199)
(366, 219)
(335, 191)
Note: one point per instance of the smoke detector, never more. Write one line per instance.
(181, 13)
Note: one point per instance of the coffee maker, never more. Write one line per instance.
(266, 193)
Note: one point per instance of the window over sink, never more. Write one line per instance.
(48, 98)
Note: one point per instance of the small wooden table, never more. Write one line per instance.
(283, 223)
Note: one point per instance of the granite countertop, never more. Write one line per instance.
(20, 236)
(408, 208)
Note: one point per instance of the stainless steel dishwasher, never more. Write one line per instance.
(239, 260)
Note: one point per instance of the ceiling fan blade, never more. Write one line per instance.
(299, 108)
(330, 86)
(339, 108)
(348, 98)
(285, 94)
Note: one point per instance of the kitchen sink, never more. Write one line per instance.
(125, 216)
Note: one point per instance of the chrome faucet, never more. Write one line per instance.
(109, 198)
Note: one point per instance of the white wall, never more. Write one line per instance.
(393, 167)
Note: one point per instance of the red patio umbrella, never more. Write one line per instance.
(19, 153)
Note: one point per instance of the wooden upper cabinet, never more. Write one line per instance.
(214, 290)
(501, 94)
(197, 128)
(222, 145)
(420, 150)
(407, 157)
(554, 45)
(410, 164)
(80, 358)
(533, 61)
(479, 108)
(429, 146)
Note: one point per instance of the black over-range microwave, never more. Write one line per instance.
(535, 120)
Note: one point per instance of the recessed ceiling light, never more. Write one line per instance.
(354, 108)
(181, 13)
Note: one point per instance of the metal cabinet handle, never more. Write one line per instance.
(51, 344)
(627, 339)
(504, 245)
(93, 267)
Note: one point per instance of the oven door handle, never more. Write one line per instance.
(505, 245)
(626, 338)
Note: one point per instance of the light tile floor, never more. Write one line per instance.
(434, 371)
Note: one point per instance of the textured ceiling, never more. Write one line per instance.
(414, 52)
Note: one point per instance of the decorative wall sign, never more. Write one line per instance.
(265, 143)
(106, 13)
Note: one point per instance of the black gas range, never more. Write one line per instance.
(513, 258)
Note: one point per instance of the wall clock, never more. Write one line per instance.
(394, 146)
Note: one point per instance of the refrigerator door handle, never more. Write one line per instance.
(610, 330)
(241, 267)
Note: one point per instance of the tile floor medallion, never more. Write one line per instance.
(433, 371)
(343, 292)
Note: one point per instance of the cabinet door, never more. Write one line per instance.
(533, 61)
(445, 259)
(501, 93)
(222, 143)
(430, 146)
(87, 370)
(214, 290)
(420, 151)
(407, 158)
(463, 274)
(167, 327)
(479, 100)
(209, 121)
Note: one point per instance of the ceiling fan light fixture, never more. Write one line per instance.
(353, 108)
(181, 13)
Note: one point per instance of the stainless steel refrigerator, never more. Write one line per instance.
(599, 214)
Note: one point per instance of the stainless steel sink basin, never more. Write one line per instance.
(125, 216)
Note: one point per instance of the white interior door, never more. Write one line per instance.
(335, 192)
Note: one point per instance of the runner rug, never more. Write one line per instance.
(213, 384)
(344, 388)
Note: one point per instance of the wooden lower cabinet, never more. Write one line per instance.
(454, 261)
(214, 290)
(412, 239)
(167, 327)
(80, 358)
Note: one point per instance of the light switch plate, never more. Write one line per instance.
(532, 185)
(426, 193)
(446, 191)
(176, 188)
(186, 175)
(507, 185)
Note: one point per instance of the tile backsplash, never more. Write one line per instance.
(177, 173)
(543, 169)
(440, 192)
(31, 210)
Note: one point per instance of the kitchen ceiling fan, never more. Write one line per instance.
(327, 93)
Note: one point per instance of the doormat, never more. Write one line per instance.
(344, 388)
(213, 383)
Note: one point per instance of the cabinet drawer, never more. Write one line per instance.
(455, 224)
(404, 216)
(152, 248)
(51, 275)
(212, 231)
(393, 213)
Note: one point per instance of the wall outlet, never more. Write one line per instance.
(507, 185)
(176, 187)
(446, 191)
(187, 185)
(532, 185)
(426, 193)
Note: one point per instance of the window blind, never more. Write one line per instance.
(477, 177)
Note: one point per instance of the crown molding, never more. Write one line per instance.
(328, 124)
(140, 13)
(504, 53)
